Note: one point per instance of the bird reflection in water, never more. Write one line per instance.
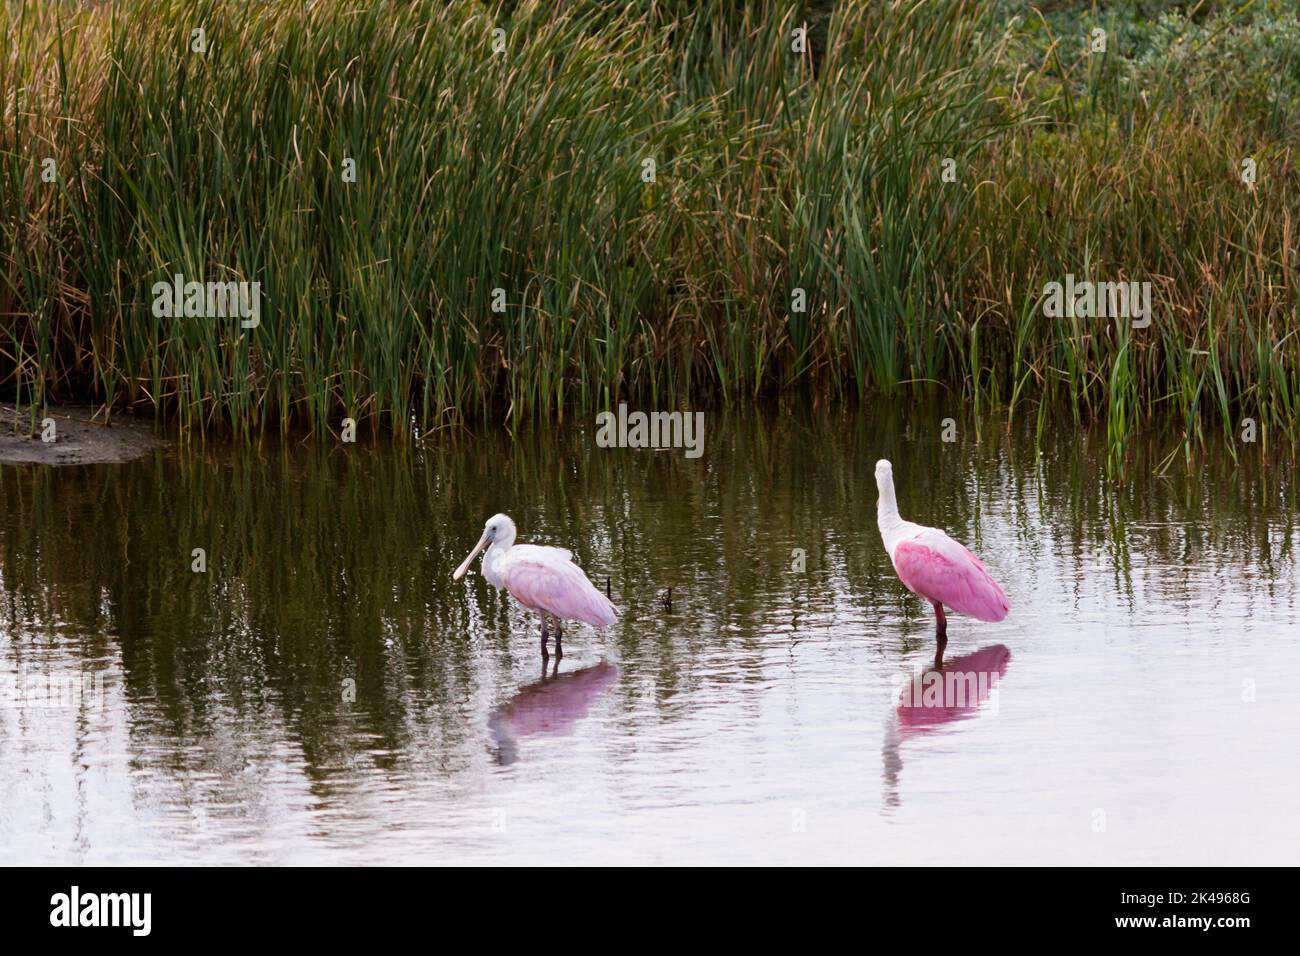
(940, 695)
(548, 707)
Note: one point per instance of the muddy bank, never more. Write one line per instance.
(77, 440)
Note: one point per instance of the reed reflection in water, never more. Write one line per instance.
(325, 693)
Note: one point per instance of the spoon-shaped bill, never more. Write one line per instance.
(464, 565)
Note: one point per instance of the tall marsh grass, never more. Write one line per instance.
(525, 171)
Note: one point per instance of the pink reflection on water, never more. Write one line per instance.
(935, 697)
(953, 692)
(549, 707)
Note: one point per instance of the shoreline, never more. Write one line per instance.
(77, 440)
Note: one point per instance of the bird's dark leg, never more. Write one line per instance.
(559, 633)
(940, 634)
(544, 653)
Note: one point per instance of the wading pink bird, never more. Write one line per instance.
(934, 566)
(544, 580)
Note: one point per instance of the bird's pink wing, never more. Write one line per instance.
(938, 568)
(544, 579)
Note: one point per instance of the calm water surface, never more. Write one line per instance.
(1138, 706)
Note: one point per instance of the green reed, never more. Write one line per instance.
(522, 171)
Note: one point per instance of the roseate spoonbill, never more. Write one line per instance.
(542, 579)
(934, 566)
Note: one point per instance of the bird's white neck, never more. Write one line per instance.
(492, 558)
(887, 517)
